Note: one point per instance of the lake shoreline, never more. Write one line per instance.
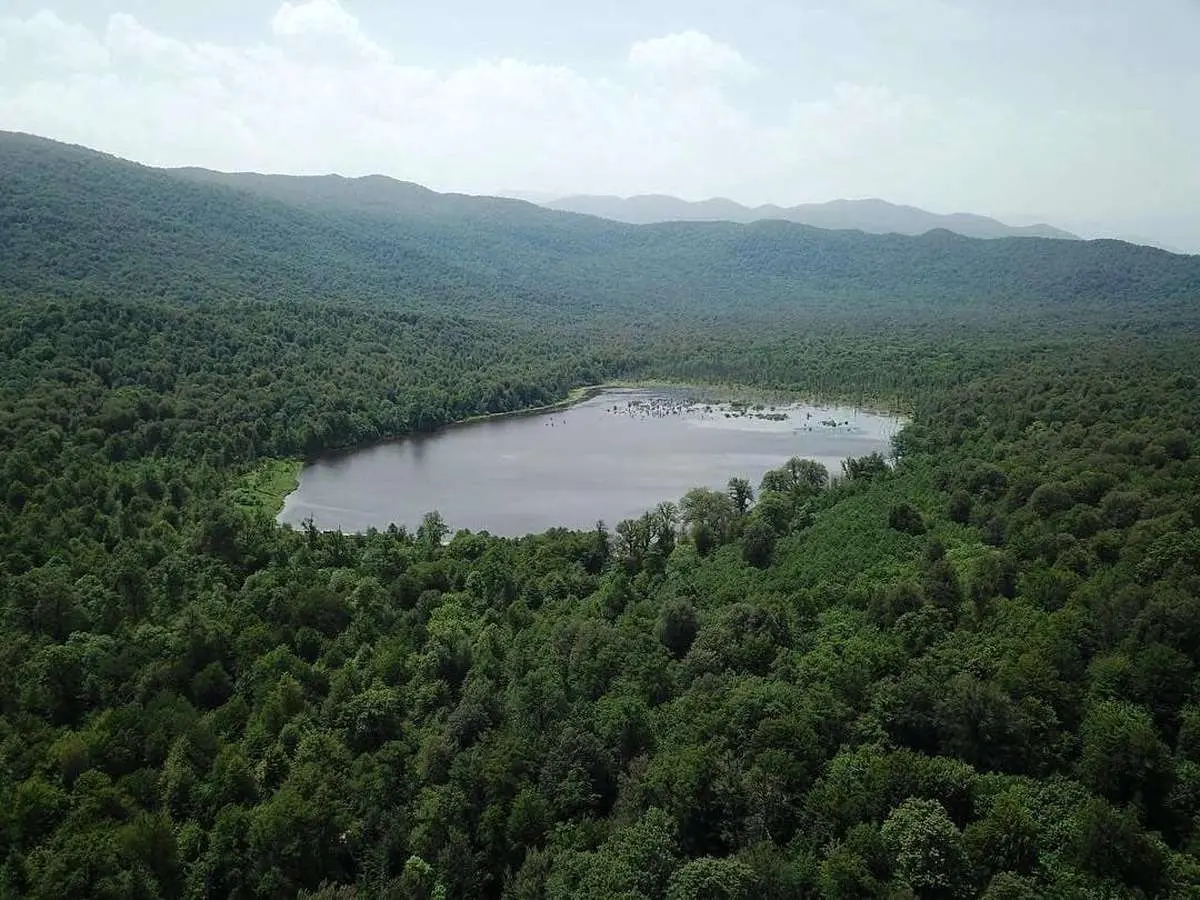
(725, 393)
(492, 467)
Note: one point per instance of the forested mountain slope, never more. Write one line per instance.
(971, 673)
(74, 219)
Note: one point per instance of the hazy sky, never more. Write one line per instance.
(1085, 113)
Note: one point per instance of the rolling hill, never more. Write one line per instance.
(74, 220)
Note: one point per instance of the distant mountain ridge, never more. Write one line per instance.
(873, 216)
(77, 223)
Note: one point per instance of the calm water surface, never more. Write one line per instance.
(611, 457)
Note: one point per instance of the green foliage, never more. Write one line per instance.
(1010, 886)
(678, 627)
(1006, 839)
(857, 866)
(1123, 757)
(1111, 845)
(903, 517)
(758, 543)
(927, 849)
(720, 879)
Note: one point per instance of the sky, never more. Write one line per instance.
(1081, 113)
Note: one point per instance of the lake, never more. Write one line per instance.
(610, 457)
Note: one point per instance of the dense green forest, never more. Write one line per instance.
(968, 671)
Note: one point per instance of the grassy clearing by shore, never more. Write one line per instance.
(265, 487)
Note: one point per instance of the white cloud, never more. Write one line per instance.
(689, 54)
(129, 43)
(45, 40)
(477, 127)
(324, 21)
(483, 125)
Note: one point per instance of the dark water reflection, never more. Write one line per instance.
(569, 468)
